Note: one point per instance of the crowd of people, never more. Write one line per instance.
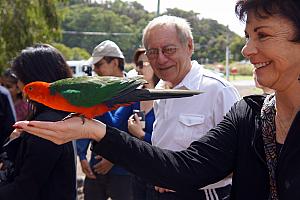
(213, 145)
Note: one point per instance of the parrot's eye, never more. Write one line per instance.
(30, 88)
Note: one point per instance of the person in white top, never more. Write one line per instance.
(178, 122)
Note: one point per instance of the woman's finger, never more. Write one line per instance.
(41, 131)
(64, 131)
(59, 125)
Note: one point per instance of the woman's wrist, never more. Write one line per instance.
(98, 131)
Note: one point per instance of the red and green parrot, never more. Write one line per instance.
(92, 96)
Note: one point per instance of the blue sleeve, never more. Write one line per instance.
(150, 118)
(120, 117)
(147, 137)
(105, 118)
(82, 146)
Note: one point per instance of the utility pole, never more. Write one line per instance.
(158, 8)
(227, 53)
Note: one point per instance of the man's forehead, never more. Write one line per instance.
(162, 37)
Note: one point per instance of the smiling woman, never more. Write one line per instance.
(273, 43)
(270, 49)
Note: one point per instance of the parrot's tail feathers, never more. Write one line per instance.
(151, 94)
(133, 84)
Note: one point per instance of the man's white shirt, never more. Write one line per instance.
(179, 122)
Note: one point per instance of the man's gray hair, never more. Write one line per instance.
(181, 25)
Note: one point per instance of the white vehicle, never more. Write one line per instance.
(80, 68)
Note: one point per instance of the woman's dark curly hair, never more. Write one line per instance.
(289, 9)
(40, 62)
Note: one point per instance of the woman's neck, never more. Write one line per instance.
(287, 104)
(146, 106)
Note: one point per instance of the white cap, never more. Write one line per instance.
(105, 48)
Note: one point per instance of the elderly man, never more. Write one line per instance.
(169, 47)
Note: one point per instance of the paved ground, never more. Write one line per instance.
(246, 87)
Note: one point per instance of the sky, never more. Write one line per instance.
(220, 10)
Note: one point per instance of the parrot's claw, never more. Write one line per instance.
(74, 115)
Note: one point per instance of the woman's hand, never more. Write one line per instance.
(15, 134)
(64, 131)
(135, 127)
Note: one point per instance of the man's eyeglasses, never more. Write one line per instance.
(167, 51)
(141, 64)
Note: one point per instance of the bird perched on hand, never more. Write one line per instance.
(91, 96)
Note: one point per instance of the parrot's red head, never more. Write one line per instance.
(37, 91)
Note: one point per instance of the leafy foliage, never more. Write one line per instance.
(210, 37)
(121, 22)
(24, 22)
(86, 24)
(72, 53)
(129, 19)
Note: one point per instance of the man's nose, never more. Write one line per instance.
(161, 58)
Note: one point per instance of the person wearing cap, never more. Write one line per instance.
(103, 178)
(108, 59)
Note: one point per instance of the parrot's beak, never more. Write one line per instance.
(24, 94)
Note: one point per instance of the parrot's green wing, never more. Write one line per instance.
(88, 91)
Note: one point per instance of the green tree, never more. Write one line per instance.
(210, 37)
(24, 22)
(72, 2)
(236, 46)
(72, 53)
(121, 22)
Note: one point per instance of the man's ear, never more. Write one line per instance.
(191, 46)
(115, 62)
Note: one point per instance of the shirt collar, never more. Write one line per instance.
(189, 81)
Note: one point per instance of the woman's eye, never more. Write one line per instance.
(262, 35)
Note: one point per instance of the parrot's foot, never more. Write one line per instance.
(75, 115)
